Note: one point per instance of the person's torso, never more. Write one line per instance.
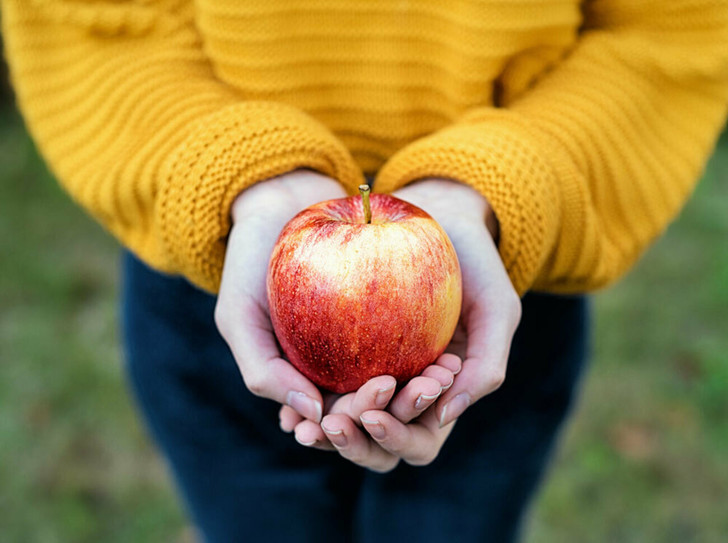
(381, 73)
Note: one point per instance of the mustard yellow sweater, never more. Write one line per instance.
(585, 125)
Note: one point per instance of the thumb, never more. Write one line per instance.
(249, 334)
(490, 318)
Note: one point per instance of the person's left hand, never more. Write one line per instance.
(359, 427)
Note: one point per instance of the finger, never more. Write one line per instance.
(331, 400)
(450, 362)
(374, 394)
(288, 418)
(417, 444)
(310, 434)
(441, 374)
(484, 369)
(459, 343)
(355, 445)
(249, 335)
(491, 312)
(417, 395)
(277, 380)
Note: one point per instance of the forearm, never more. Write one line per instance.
(127, 111)
(589, 164)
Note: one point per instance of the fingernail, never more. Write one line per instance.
(337, 437)
(454, 408)
(447, 386)
(304, 405)
(375, 429)
(305, 443)
(383, 396)
(423, 400)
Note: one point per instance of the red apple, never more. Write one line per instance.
(352, 299)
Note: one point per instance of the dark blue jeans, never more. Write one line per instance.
(243, 479)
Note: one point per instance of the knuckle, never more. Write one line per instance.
(256, 383)
(424, 458)
(385, 467)
(516, 307)
(490, 379)
(355, 457)
(221, 317)
(495, 378)
(394, 447)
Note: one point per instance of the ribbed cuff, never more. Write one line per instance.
(225, 153)
(502, 160)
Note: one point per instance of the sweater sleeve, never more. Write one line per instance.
(126, 109)
(590, 162)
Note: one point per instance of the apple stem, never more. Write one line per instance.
(364, 190)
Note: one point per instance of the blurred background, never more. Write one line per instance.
(645, 457)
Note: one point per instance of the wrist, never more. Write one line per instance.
(451, 202)
(285, 195)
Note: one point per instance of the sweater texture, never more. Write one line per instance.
(585, 124)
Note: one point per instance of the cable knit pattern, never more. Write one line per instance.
(585, 124)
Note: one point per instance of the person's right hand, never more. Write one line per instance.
(259, 214)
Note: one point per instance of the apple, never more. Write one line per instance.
(360, 287)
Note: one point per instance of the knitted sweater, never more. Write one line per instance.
(585, 125)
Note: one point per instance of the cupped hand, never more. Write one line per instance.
(241, 314)
(378, 437)
(491, 307)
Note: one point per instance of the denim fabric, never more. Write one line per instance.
(242, 479)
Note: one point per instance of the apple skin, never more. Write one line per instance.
(350, 301)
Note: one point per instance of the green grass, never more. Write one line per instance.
(644, 459)
(76, 466)
(646, 456)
